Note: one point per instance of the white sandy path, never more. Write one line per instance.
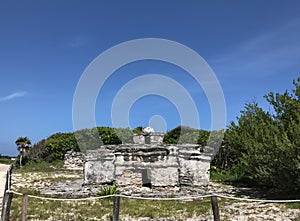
(3, 171)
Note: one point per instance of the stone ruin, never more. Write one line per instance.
(148, 163)
(74, 160)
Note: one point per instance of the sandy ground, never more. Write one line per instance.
(3, 170)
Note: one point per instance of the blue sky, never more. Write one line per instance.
(45, 46)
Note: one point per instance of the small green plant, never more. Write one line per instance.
(108, 190)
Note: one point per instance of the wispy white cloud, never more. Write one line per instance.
(13, 96)
(269, 53)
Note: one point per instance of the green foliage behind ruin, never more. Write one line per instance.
(54, 147)
(263, 147)
(183, 134)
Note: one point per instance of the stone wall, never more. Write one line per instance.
(99, 166)
(194, 164)
(74, 160)
(133, 162)
(152, 165)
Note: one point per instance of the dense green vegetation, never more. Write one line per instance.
(263, 148)
(54, 147)
(182, 134)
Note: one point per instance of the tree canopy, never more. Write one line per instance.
(264, 146)
(23, 143)
(184, 134)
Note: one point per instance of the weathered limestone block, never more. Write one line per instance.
(156, 137)
(138, 139)
(99, 167)
(74, 160)
(194, 165)
(148, 138)
(164, 176)
(128, 176)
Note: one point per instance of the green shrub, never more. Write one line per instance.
(137, 130)
(53, 148)
(124, 134)
(108, 135)
(108, 190)
(265, 146)
(183, 134)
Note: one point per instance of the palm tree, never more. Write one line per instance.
(23, 144)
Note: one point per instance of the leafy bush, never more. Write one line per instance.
(183, 134)
(108, 135)
(137, 130)
(88, 139)
(124, 134)
(53, 148)
(266, 147)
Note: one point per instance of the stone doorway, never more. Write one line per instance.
(147, 139)
(146, 178)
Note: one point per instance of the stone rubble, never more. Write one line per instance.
(74, 160)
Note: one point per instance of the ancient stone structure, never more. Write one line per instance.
(150, 165)
(74, 160)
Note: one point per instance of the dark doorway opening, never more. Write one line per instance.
(147, 140)
(146, 178)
